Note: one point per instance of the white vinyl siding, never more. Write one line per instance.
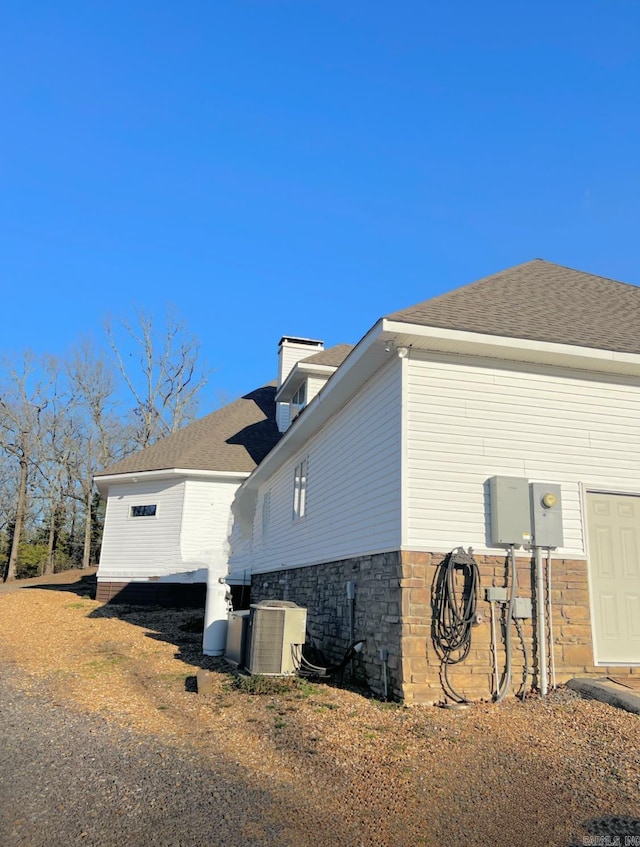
(468, 421)
(353, 490)
(188, 534)
(283, 416)
(141, 547)
(290, 353)
(314, 385)
(206, 525)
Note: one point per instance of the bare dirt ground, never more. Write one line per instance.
(337, 767)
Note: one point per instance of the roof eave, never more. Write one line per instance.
(438, 339)
(104, 482)
(298, 375)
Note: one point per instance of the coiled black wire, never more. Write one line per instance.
(455, 609)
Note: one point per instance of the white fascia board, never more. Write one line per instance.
(512, 349)
(104, 482)
(297, 375)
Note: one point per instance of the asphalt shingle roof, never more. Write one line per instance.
(333, 357)
(539, 301)
(234, 438)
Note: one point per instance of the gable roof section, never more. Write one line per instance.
(539, 301)
(333, 357)
(235, 438)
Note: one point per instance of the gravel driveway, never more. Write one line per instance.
(67, 778)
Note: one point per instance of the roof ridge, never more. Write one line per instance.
(538, 300)
(579, 271)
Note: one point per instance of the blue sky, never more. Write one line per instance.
(304, 167)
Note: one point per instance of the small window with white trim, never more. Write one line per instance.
(300, 490)
(148, 511)
(299, 400)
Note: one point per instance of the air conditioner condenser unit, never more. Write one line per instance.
(275, 626)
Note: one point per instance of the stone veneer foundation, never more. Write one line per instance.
(393, 610)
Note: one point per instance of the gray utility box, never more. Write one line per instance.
(510, 511)
(237, 637)
(546, 514)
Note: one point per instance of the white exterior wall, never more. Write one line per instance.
(206, 524)
(468, 421)
(353, 490)
(283, 416)
(189, 531)
(290, 353)
(314, 385)
(140, 548)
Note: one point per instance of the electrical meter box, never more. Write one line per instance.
(510, 511)
(546, 514)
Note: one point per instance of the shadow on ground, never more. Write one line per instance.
(181, 627)
(80, 582)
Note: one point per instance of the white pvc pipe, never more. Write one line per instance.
(541, 627)
(550, 614)
(216, 613)
(507, 638)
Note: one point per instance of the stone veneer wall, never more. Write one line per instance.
(393, 610)
(420, 666)
(322, 589)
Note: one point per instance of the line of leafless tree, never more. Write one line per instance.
(62, 420)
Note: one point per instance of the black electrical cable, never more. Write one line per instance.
(525, 671)
(306, 668)
(455, 611)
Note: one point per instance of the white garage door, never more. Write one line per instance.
(614, 565)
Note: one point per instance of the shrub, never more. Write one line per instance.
(31, 559)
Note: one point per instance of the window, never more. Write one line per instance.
(298, 401)
(300, 489)
(266, 514)
(143, 511)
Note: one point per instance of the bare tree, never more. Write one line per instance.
(59, 442)
(161, 368)
(23, 399)
(100, 436)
